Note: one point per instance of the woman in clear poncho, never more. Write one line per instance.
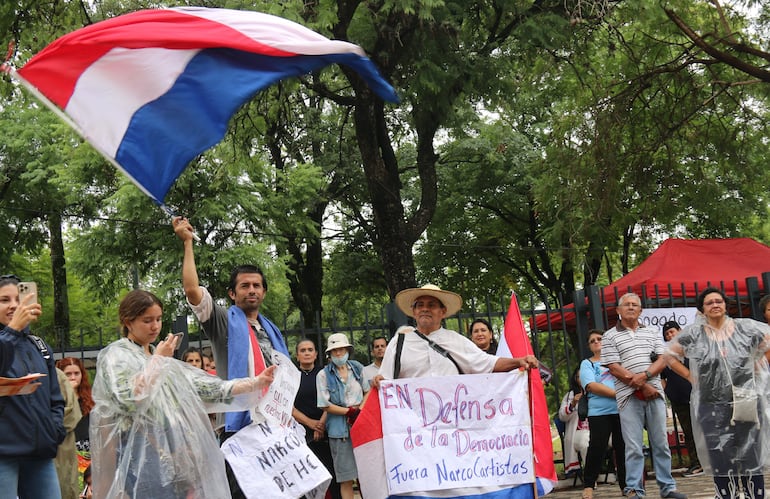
(150, 432)
(730, 389)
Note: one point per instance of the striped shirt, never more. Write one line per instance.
(632, 350)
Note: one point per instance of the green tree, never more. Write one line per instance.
(618, 143)
(42, 187)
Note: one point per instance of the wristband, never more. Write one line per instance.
(648, 374)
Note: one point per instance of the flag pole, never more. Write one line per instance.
(532, 427)
(8, 69)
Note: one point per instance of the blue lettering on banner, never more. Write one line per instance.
(277, 451)
(265, 427)
(464, 443)
(482, 468)
(400, 475)
(659, 320)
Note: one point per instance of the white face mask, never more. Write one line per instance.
(339, 361)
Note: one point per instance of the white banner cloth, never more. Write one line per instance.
(456, 431)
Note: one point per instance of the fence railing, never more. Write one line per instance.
(558, 335)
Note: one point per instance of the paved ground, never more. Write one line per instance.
(700, 487)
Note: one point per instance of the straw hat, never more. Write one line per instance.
(337, 340)
(406, 298)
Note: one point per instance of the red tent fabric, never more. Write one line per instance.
(684, 264)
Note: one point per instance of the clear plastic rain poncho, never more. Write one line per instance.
(150, 432)
(730, 400)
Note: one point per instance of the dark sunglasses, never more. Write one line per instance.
(9, 276)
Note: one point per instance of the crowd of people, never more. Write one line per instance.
(715, 374)
(152, 425)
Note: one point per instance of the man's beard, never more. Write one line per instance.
(247, 306)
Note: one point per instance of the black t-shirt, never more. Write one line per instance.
(81, 433)
(306, 399)
(677, 388)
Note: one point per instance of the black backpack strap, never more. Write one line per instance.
(399, 349)
(40, 344)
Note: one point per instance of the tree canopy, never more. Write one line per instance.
(539, 145)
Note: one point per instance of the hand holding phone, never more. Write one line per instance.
(27, 289)
(29, 309)
(179, 339)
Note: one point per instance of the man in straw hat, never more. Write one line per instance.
(431, 350)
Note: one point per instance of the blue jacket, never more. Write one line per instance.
(336, 425)
(31, 425)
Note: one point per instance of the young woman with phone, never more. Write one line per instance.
(150, 433)
(32, 425)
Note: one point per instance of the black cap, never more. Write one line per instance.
(668, 325)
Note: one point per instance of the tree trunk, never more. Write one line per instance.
(394, 235)
(306, 276)
(61, 313)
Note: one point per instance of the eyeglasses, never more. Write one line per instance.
(595, 340)
(714, 302)
(9, 276)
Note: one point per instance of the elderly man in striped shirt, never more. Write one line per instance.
(634, 355)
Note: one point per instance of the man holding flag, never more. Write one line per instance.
(242, 339)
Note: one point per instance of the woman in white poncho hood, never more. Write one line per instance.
(150, 432)
(730, 390)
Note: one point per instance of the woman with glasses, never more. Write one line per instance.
(729, 374)
(603, 418)
(32, 425)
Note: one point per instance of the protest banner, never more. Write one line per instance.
(270, 457)
(452, 431)
(274, 461)
(656, 317)
(277, 404)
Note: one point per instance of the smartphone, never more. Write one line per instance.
(26, 289)
(179, 339)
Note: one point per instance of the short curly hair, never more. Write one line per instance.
(706, 292)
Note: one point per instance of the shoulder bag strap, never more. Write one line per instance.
(399, 349)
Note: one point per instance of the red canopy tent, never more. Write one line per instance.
(684, 265)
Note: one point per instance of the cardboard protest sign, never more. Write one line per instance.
(274, 461)
(277, 404)
(451, 431)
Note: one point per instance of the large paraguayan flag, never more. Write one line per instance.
(153, 89)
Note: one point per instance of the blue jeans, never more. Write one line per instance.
(29, 478)
(632, 423)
